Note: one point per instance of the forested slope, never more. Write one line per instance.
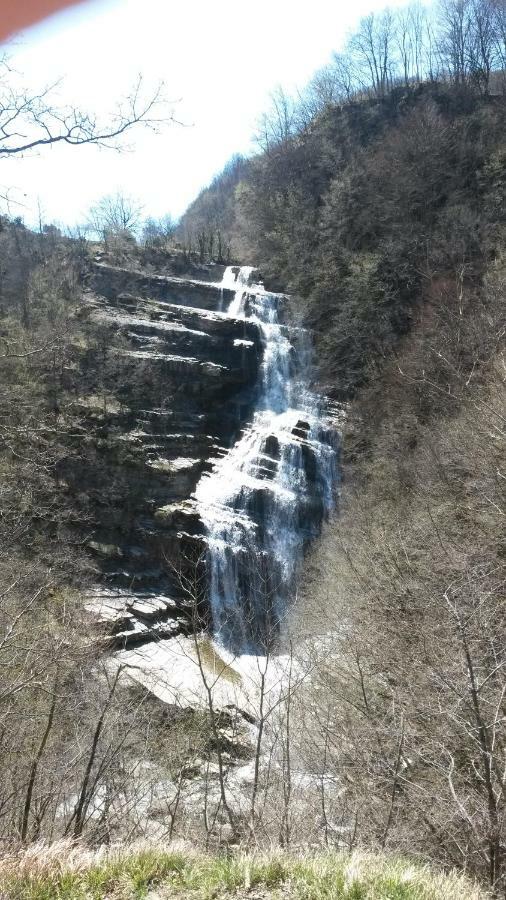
(362, 212)
(380, 207)
(382, 211)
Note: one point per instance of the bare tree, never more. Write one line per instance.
(277, 125)
(482, 44)
(115, 215)
(325, 89)
(498, 13)
(372, 48)
(410, 39)
(30, 120)
(344, 75)
(454, 35)
(157, 232)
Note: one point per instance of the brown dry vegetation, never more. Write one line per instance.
(384, 212)
(407, 589)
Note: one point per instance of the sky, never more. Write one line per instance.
(218, 60)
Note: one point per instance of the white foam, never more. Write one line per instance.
(250, 501)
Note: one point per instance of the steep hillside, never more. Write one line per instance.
(165, 447)
(407, 589)
(361, 211)
(384, 216)
(208, 228)
(164, 465)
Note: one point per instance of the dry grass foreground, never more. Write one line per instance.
(68, 872)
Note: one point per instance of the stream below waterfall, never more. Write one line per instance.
(268, 495)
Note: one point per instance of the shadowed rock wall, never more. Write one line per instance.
(182, 392)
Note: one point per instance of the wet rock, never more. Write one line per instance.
(271, 446)
(107, 551)
(131, 619)
(179, 514)
(187, 370)
(114, 281)
(189, 383)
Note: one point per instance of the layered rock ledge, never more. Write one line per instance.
(187, 375)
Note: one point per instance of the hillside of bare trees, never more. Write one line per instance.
(377, 198)
(376, 723)
(384, 172)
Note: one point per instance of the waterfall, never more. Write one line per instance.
(268, 495)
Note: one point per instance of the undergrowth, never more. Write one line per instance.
(68, 873)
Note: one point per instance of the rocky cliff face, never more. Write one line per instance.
(214, 466)
(187, 371)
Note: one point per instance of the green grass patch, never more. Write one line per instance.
(122, 877)
(133, 875)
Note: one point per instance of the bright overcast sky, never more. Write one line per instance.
(220, 59)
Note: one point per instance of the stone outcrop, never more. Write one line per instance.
(206, 476)
(110, 281)
(186, 373)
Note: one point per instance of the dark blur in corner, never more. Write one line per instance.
(18, 14)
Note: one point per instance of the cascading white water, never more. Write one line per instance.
(269, 494)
